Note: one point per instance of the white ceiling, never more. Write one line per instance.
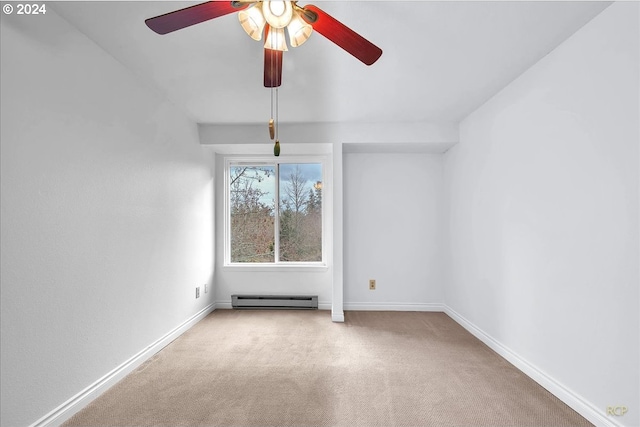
(440, 61)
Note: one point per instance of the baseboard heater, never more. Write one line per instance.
(275, 302)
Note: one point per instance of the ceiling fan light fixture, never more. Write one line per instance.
(299, 31)
(275, 39)
(278, 13)
(252, 22)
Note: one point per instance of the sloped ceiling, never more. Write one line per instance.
(441, 60)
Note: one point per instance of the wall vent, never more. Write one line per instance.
(281, 302)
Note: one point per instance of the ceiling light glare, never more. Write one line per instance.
(252, 22)
(299, 31)
(277, 13)
(275, 40)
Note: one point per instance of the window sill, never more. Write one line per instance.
(298, 267)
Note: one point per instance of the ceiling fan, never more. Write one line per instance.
(269, 19)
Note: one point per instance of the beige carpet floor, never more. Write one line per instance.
(297, 368)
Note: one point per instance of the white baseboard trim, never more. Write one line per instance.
(69, 408)
(572, 399)
(324, 305)
(376, 306)
(224, 305)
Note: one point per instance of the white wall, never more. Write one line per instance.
(106, 216)
(397, 137)
(392, 231)
(542, 195)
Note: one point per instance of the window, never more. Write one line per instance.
(274, 213)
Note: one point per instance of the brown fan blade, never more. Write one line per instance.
(272, 67)
(192, 15)
(341, 35)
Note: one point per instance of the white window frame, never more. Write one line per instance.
(270, 161)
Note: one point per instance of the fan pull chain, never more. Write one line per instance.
(274, 66)
(271, 126)
(276, 147)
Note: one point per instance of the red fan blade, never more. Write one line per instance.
(272, 67)
(342, 35)
(188, 16)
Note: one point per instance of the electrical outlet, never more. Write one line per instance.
(372, 285)
(197, 291)
(205, 288)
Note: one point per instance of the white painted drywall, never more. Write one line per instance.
(106, 215)
(392, 230)
(542, 201)
(436, 137)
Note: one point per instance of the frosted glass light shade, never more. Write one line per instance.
(252, 21)
(278, 13)
(275, 39)
(299, 30)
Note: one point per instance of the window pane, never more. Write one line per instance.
(301, 212)
(252, 209)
